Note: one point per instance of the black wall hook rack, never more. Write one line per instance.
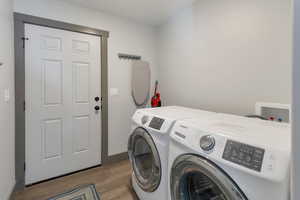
(129, 57)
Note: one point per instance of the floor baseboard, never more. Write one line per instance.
(110, 160)
(12, 193)
(117, 158)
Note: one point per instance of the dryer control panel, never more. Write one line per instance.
(244, 154)
(156, 123)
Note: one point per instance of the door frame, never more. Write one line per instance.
(19, 41)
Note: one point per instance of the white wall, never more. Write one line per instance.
(226, 55)
(296, 104)
(7, 155)
(125, 37)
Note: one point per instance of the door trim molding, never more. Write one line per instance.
(19, 25)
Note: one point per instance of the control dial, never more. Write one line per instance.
(145, 119)
(207, 142)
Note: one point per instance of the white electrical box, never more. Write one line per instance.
(274, 111)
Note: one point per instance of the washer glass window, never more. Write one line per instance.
(196, 178)
(145, 160)
(143, 157)
(197, 186)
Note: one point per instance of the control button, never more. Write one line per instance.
(234, 153)
(259, 152)
(241, 155)
(256, 161)
(145, 119)
(256, 167)
(248, 159)
(207, 142)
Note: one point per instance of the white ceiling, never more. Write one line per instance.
(153, 12)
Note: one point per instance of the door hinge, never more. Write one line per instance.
(24, 105)
(23, 40)
(24, 167)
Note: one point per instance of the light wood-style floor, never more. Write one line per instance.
(112, 182)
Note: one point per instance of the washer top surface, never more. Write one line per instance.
(253, 131)
(176, 112)
(162, 119)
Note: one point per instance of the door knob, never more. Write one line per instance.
(97, 99)
(97, 108)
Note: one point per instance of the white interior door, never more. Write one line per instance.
(63, 128)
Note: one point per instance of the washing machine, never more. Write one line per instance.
(148, 148)
(229, 158)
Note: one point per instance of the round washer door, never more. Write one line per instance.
(145, 160)
(196, 178)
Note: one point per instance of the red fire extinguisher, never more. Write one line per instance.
(156, 101)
